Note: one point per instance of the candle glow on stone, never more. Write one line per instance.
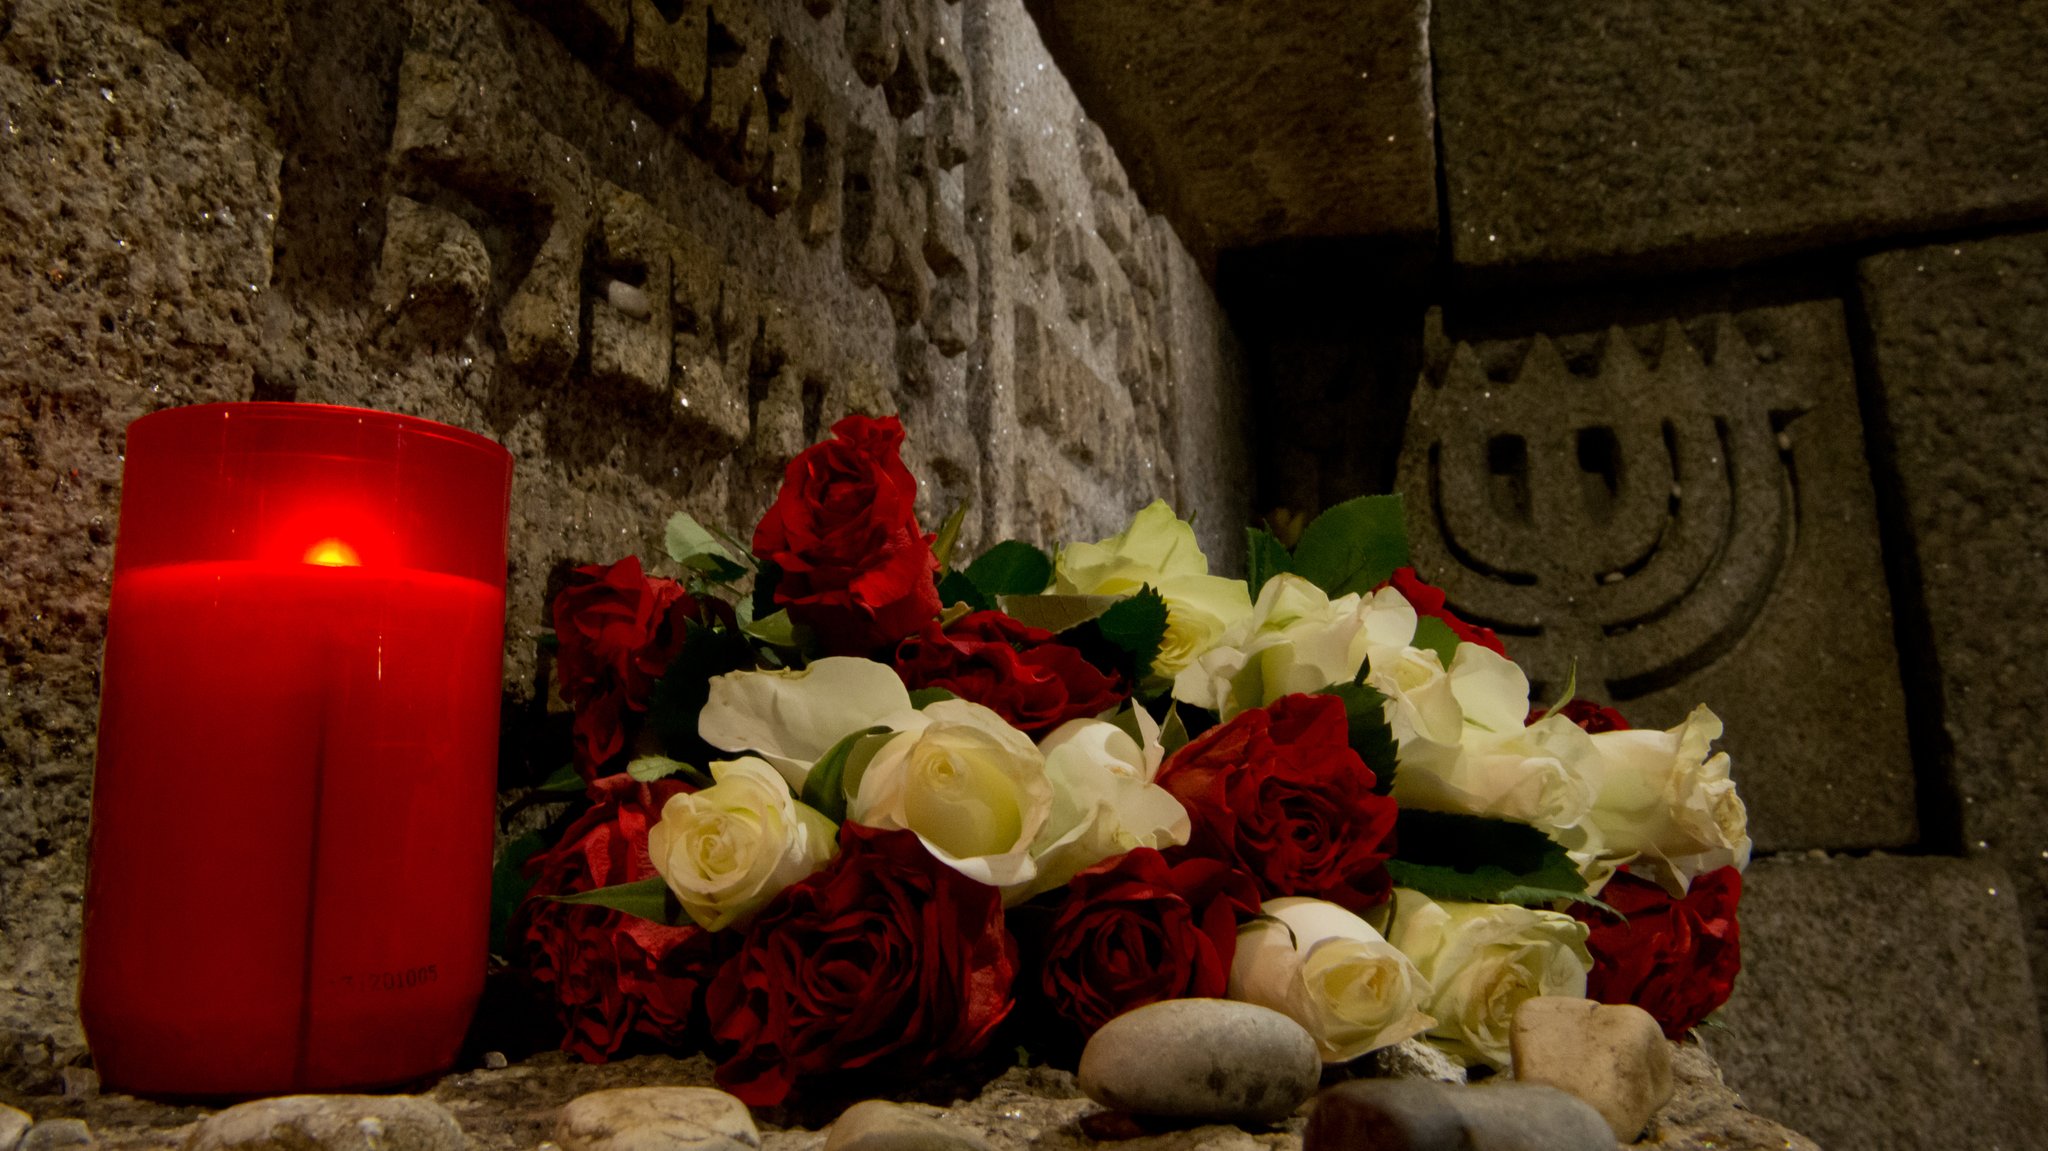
(333, 553)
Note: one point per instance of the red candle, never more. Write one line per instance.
(292, 805)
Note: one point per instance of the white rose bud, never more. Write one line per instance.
(1665, 798)
(1104, 802)
(972, 787)
(1482, 960)
(1160, 550)
(1297, 639)
(727, 850)
(1329, 971)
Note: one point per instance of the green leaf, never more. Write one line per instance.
(690, 544)
(1265, 557)
(957, 588)
(648, 898)
(565, 781)
(1433, 634)
(924, 697)
(765, 582)
(778, 630)
(679, 695)
(1365, 712)
(1136, 625)
(1479, 859)
(1571, 688)
(825, 787)
(1354, 546)
(509, 886)
(649, 768)
(1012, 567)
(1056, 613)
(949, 536)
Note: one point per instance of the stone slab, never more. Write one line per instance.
(1959, 343)
(1622, 134)
(1885, 1003)
(1681, 511)
(1247, 124)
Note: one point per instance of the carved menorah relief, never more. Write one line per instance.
(1634, 514)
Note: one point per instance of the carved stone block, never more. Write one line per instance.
(433, 272)
(1684, 511)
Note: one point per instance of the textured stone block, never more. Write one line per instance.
(1885, 1003)
(1682, 513)
(1960, 346)
(1679, 134)
(1250, 123)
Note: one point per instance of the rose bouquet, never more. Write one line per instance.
(848, 802)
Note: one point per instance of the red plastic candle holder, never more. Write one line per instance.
(289, 884)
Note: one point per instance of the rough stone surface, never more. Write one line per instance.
(330, 1123)
(1213, 1059)
(1614, 1057)
(652, 272)
(1419, 1115)
(1415, 1059)
(14, 1123)
(657, 1119)
(1885, 1003)
(1960, 348)
(879, 1125)
(1680, 510)
(1021, 1109)
(1247, 124)
(59, 1135)
(1706, 1115)
(1666, 134)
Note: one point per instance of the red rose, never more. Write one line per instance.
(617, 632)
(886, 952)
(609, 975)
(1592, 716)
(1135, 930)
(1674, 958)
(1014, 670)
(1428, 600)
(1278, 792)
(856, 568)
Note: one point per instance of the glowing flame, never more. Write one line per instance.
(332, 553)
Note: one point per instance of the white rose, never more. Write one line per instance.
(1482, 960)
(972, 787)
(1665, 797)
(1329, 971)
(1296, 639)
(1160, 550)
(792, 718)
(1104, 802)
(727, 850)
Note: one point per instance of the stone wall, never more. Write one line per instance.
(1719, 368)
(652, 246)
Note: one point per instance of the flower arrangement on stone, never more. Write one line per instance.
(864, 812)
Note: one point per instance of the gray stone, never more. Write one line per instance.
(1905, 1021)
(1213, 1059)
(1613, 1056)
(1960, 349)
(1247, 124)
(59, 1135)
(1705, 1115)
(657, 1119)
(14, 1123)
(330, 1123)
(879, 1125)
(1681, 512)
(1673, 134)
(1419, 1115)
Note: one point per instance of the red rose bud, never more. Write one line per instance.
(1591, 716)
(617, 631)
(1135, 930)
(885, 953)
(1674, 958)
(1428, 599)
(1014, 670)
(609, 976)
(1278, 792)
(856, 568)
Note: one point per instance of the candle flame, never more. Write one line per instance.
(333, 553)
